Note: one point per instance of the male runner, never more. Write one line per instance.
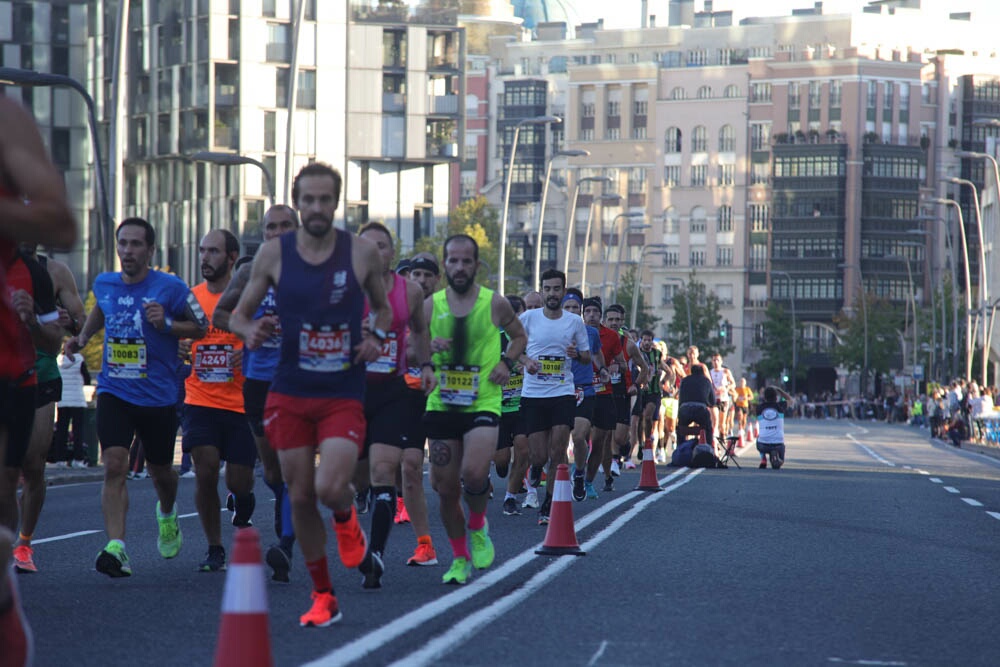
(389, 413)
(605, 411)
(258, 370)
(722, 380)
(32, 209)
(463, 411)
(647, 404)
(511, 459)
(143, 313)
(744, 397)
(215, 424)
(548, 398)
(321, 276)
(533, 300)
(622, 389)
(49, 392)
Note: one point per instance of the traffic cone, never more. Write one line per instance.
(756, 430)
(740, 441)
(647, 480)
(560, 538)
(244, 637)
(750, 437)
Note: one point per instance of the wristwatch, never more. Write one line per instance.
(378, 333)
(511, 363)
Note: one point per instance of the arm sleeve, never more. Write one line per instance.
(190, 310)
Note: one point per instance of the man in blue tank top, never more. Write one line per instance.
(321, 276)
(258, 370)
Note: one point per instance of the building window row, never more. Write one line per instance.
(880, 206)
(808, 247)
(805, 205)
(892, 167)
(808, 166)
(809, 288)
(673, 139)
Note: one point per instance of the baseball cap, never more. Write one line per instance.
(425, 264)
(403, 266)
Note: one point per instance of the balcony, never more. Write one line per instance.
(442, 104)
(393, 102)
(278, 52)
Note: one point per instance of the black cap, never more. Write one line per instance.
(403, 266)
(425, 264)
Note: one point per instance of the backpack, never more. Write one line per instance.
(681, 457)
(704, 457)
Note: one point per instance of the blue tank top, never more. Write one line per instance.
(321, 310)
(261, 363)
(583, 374)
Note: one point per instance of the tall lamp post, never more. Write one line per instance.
(631, 215)
(621, 247)
(586, 237)
(913, 300)
(968, 286)
(573, 152)
(687, 304)
(232, 160)
(864, 315)
(795, 333)
(571, 214)
(657, 249)
(984, 293)
(538, 120)
(24, 77)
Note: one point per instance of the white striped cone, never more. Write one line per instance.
(244, 636)
(560, 538)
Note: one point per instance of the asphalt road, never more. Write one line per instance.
(872, 546)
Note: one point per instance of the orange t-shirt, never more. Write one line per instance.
(215, 380)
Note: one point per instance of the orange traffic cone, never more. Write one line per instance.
(739, 441)
(756, 430)
(749, 433)
(560, 538)
(244, 637)
(647, 480)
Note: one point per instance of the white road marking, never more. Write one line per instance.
(871, 453)
(598, 654)
(936, 480)
(972, 501)
(864, 661)
(951, 489)
(922, 472)
(67, 536)
(995, 515)
(366, 644)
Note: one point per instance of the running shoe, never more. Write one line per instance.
(242, 515)
(78, 464)
(591, 491)
(215, 561)
(530, 500)
(24, 559)
(113, 561)
(424, 554)
(230, 502)
(629, 465)
(142, 474)
(459, 572)
(609, 484)
(324, 611)
(510, 507)
(372, 569)
(616, 470)
(188, 474)
(763, 462)
(535, 474)
(280, 562)
(545, 511)
(402, 516)
(170, 539)
(579, 488)
(481, 547)
(351, 541)
(362, 502)
(776, 460)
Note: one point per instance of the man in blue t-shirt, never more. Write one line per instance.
(143, 313)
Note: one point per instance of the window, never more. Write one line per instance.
(697, 256)
(725, 218)
(759, 217)
(836, 93)
(904, 97)
(793, 96)
(731, 90)
(725, 294)
(887, 98)
(760, 172)
(613, 133)
(699, 175)
(678, 94)
(60, 148)
(727, 139)
(872, 94)
(638, 131)
(760, 136)
(672, 141)
(697, 225)
(306, 95)
(704, 92)
(281, 87)
(672, 175)
(671, 221)
(815, 90)
(667, 291)
(637, 180)
(671, 258)
(268, 8)
(727, 174)
(760, 92)
(270, 128)
(699, 139)
(724, 256)
(697, 57)
(279, 47)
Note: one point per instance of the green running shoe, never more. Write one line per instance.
(170, 539)
(458, 573)
(481, 547)
(113, 561)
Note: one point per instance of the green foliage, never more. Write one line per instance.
(645, 319)
(776, 347)
(885, 322)
(706, 320)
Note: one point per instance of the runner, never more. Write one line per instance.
(647, 404)
(722, 380)
(673, 373)
(744, 397)
(463, 411)
(533, 301)
(321, 276)
(389, 412)
(585, 377)
(48, 341)
(511, 459)
(215, 424)
(548, 398)
(622, 389)
(258, 371)
(143, 313)
(605, 411)
(32, 209)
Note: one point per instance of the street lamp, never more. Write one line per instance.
(632, 215)
(795, 334)
(968, 287)
(984, 294)
(573, 152)
(864, 314)
(687, 304)
(913, 300)
(609, 198)
(538, 120)
(621, 248)
(24, 77)
(571, 214)
(233, 160)
(658, 249)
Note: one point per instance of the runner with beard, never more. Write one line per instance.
(321, 276)
(463, 411)
(605, 411)
(622, 389)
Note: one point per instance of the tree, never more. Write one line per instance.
(776, 347)
(709, 332)
(645, 319)
(481, 221)
(885, 322)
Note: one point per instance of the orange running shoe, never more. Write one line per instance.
(351, 540)
(324, 611)
(402, 516)
(423, 555)
(24, 559)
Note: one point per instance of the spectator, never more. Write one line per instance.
(73, 369)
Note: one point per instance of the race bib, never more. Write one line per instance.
(579, 396)
(274, 342)
(386, 362)
(213, 363)
(598, 385)
(459, 385)
(553, 369)
(126, 358)
(512, 389)
(325, 349)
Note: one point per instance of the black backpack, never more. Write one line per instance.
(681, 457)
(704, 457)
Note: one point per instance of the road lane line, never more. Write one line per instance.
(67, 536)
(935, 480)
(995, 515)
(950, 489)
(972, 501)
(598, 654)
(374, 640)
(871, 453)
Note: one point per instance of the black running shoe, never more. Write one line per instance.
(215, 561)
(609, 484)
(372, 569)
(280, 562)
(579, 488)
(510, 507)
(362, 502)
(545, 511)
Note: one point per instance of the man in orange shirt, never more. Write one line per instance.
(215, 425)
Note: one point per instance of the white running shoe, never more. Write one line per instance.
(531, 500)
(615, 468)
